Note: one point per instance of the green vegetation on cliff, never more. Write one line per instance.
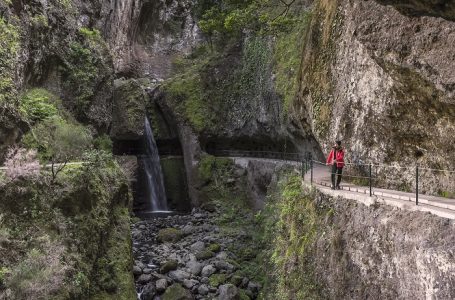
(252, 55)
(291, 222)
(287, 58)
(9, 47)
(87, 64)
(226, 189)
(68, 239)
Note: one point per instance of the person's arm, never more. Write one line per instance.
(329, 158)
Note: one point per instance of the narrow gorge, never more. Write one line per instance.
(176, 149)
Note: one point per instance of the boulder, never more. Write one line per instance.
(179, 275)
(144, 278)
(194, 267)
(223, 265)
(129, 110)
(170, 265)
(161, 285)
(148, 292)
(217, 279)
(214, 247)
(208, 270)
(204, 254)
(137, 271)
(203, 289)
(172, 235)
(188, 229)
(228, 292)
(190, 283)
(177, 292)
(197, 247)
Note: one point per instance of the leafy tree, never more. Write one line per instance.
(232, 17)
(58, 141)
(38, 104)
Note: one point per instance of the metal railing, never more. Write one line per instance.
(374, 176)
(380, 176)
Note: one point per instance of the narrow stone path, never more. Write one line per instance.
(439, 206)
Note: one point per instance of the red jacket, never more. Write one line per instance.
(339, 158)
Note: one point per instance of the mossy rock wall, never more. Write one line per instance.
(129, 110)
(70, 239)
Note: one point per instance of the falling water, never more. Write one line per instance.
(154, 175)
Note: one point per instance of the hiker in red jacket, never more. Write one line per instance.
(336, 160)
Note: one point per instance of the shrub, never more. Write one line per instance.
(21, 163)
(40, 275)
(38, 105)
(103, 142)
(211, 167)
(58, 140)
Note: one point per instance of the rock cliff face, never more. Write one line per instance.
(380, 80)
(335, 248)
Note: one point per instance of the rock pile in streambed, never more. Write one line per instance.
(185, 257)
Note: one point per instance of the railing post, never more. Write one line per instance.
(311, 167)
(369, 178)
(417, 184)
(302, 169)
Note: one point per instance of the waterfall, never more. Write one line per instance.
(154, 175)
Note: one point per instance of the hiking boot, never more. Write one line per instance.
(332, 187)
(338, 187)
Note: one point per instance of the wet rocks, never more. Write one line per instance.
(229, 292)
(177, 292)
(170, 265)
(161, 285)
(169, 235)
(186, 257)
(208, 270)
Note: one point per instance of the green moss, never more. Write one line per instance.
(204, 254)
(319, 52)
(287, 59)
(214, 248)
(292, 221)
(114, 277)
(9, 47)
(236, 280)
(87, 64)
(211, 167)
(217, 279)
(243, 295)
(168, 266)
(169, 235)
(187, 91)
(177, 292)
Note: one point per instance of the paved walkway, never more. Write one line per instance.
(439, 206)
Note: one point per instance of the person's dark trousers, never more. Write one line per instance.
(336, 174)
